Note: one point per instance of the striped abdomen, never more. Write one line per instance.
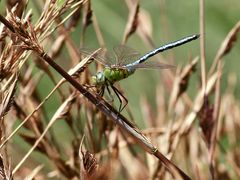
(111, 75)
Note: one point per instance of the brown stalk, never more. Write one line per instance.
(132, 22)
(185, 126)
(181, 82)
(217, 104)
(202, 44)
(73, 72)
(51, 152)
(226, 46)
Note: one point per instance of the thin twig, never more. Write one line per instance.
(202, 45)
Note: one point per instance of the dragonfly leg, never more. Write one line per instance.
(87, 86)
(119, 95)
(110, 94)
(101, 91)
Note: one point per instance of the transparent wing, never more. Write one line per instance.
(153, 65)
(103, 56)
(125, 55)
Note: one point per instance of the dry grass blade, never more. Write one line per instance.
(90, 164)
(98, 31)
(189, 119)
(171, 167)
(132, 22)
(226, 45)
(9, 57)
(73, 72)
(57, 115)
(231, 159)
(181, 82)
(33, 174)
(31, 139)
(216, 115)
(2, 169)
(228, 42)
(19, 5)
(145, 27)
(87, 15)
(51, 12)
(147, 112)
(7, 95)
(207, 120)
(202, 43)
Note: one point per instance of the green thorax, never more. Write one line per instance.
(111, 75)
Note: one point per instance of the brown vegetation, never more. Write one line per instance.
(184, 139)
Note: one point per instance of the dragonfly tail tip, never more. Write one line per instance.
(196, 36)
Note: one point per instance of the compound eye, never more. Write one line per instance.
(99, 75)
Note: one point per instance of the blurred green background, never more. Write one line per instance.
(171, 20)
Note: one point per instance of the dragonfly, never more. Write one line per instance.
(124, 62)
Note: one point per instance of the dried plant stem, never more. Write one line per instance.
(40, 138)
(98, 32)
(226, 46)
(202, 45)
(28, 117)
(77, 68)
(215, 117)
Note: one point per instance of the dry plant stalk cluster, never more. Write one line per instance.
(100, 146)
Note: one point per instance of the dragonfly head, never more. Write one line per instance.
(98, 79)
